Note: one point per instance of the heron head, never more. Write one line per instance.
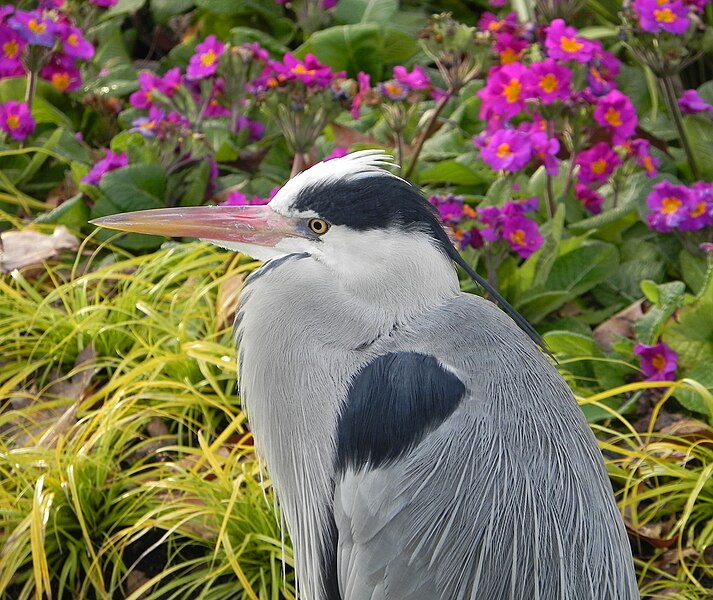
(336, 211)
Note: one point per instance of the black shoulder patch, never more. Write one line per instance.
(393, 402)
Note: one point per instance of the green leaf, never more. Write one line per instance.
(74, 213)
(570, 343)
(691, 333)
(46, 112)
(123, 7)
(537, 306)
(691, 399)
(666, 298)
(694, 269)
(364, 11)
(368, 47)
(163, 10)
(268, 10)
(135, 187)
(451, 172)
(245, 35)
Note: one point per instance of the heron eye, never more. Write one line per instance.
(318, 226)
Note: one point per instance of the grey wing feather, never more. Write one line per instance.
(507, 499)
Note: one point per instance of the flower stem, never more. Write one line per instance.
(426, 133)
(298, 164)
(31, 88)
(669, 90)
(550, 192)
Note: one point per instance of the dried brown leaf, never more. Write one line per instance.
(617, 326)
(20, 249)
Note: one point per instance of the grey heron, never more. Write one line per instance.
(420, 444)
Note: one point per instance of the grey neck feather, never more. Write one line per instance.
(304, 329)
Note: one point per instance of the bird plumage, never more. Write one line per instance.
(420, 444)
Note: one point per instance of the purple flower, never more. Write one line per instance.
(509, 47)
(468, 238)
(669, 205)
(590, 199)
(691, 103)
(74, 44)
(62, 73)
(545, 149)
(597, 163)
(641, 150)
(562, 42)
(658, 362)
(326, 4)
(505, 91)
(34, 28)
(507, 150)
(110, 162)
(16, 119)
(236, 198)
(417, 79)
(256, 130)
(146, 126)
(393, 90)
(450, 208)
(700, 210)
(338, 152)
(364, 83)
(11, 45)
(548, 81)
(309, 71)
(493, 219)
(522, 234)
(616, 113)
(166, 84)
(204, 62)
(656, 15)
(103, 3)
(493, 23)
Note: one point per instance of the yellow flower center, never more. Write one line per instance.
(570, 44)
(599, 166)
(512, 91)
(208, 58)
(36, 26)
(73, 39)
(648, 164)
(699, 210)
(504, 150)
(664, 16)
(393, 89)
(549, 83)
(596, 75)
(11, 48)
(508, 56)
(13, 121)
(518, 236)
(496, 25)
(613, 117)
(659, 362)
(302, 70)
(670, 205)
(60, 81)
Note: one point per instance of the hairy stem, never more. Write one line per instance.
(669, 90)
(426, 132)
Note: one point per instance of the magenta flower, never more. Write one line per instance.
(110, 162)
(522, 234)
(327, 4)
(616, 113)
(33, 27)
(451, 208)
(498, 3)
(493, 24)
(393, 90)
(699, 213)
(507, 150)
(509, 47)
(602, 70)
(549, 81)
(364, 83)
(597, 163)
(310, 71)
(16, 119)
(62, 73)
(236, 198)
(149, 82)
(590, 199)
(74, 44)
(691, 103)
(505, 91)
(204, 62)
(669, 205)
(11, 46)
(417, 79)
(467, 238)
(545, 149)
(338, 152)
(103, 3)
(255, 129)
(493, 219)
(658, 362)
(656, 15)
(562, 42)
(641, 150)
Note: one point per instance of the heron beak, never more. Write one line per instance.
(259, 225)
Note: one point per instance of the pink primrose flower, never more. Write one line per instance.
(505, 91)
(62, 73)
(338, 152)
(597, 163)
(544, 150)
(467, 238)
(110, 162)
(699, 213)
(590, 199)
(310, 71)
(691, 103)
(522, 234)
(205, 60)
(549, 81)
(641, 150)
(658, 362)
(364, 83)
(11, 46)
(493, 219)
(494, 24)
(509, 47)
(451, 208)
(417, 79)
(563, 43)
(507, 150)
(616, 113)
(74, 43)
(661, 15)
(34, 27)
(16, 119)
(602, 70)
(393, 90)
(669, 206)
